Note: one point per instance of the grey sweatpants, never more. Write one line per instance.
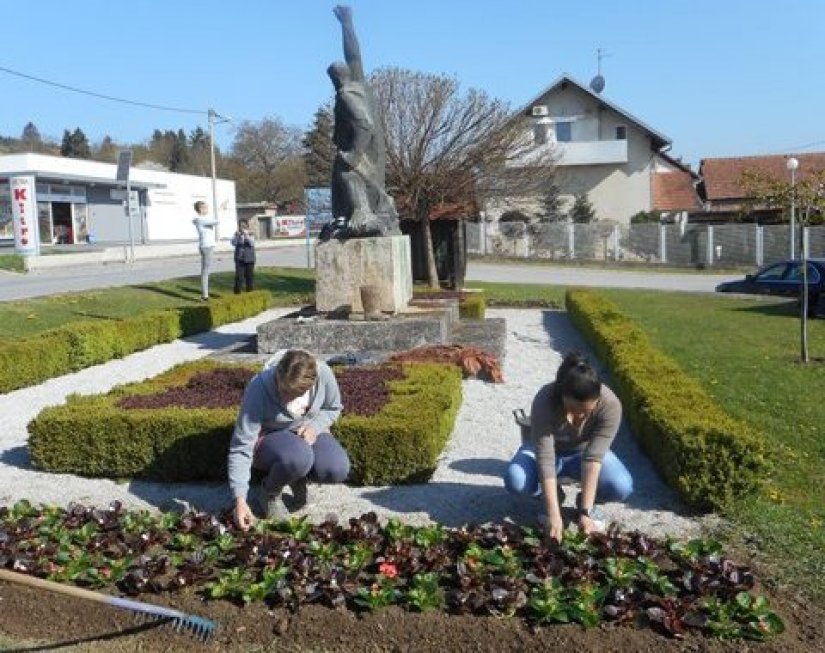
(206, 262)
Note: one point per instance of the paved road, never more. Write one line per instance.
(70, 279)
(77, 278)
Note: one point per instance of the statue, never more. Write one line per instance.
(361, 206)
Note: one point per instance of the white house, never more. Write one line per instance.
(79, 201)
(599, 149)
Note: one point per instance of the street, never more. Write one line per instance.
(78, 278)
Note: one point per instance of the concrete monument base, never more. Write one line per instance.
(342, 267)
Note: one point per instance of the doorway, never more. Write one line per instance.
(62, 226)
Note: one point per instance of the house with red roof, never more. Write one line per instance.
(723, 196)
(621, 163)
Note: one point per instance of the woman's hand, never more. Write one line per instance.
(554, 528)
(586, 525)
(308, 433)
(244, 519)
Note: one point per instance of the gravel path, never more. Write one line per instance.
(467, 485)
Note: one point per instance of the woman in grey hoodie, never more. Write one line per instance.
(283, 430)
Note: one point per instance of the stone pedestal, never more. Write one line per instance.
(341, 268)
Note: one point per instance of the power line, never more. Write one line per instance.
(159, 107)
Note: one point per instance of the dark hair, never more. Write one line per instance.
(243, 222)
(577, 379)
(198, 206)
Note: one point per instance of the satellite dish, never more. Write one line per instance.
(597, 84)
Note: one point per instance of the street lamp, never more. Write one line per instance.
(215, 118)
(792, 164)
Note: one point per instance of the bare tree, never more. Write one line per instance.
(445, 146)
(808, 197)
(265, 155)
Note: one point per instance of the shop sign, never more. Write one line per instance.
(24, 215)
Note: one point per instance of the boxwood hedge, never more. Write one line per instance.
(81, 344)
(708, 456)
(91, 436)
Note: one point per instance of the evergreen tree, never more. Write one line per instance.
(30, 139)
(107, 150)
(582, 211)
(75, 144)
(320, 150)
(199, 157)
(179, 151)
(551, 204)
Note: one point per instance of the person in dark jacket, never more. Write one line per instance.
(244, 243)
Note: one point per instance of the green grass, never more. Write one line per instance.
(289, 287)
(519, 295)
(746, 353)
(13, 262)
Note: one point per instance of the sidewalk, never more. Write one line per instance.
(466, 486)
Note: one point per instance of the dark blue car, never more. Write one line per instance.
(784, 278)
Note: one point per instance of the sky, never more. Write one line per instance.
(719, 78)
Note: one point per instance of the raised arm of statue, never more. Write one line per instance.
(352, 51)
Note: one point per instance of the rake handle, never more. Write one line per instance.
(50, 585)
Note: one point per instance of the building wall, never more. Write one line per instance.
(618, 190)
(166, 212)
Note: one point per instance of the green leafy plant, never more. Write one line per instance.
(425, 593)
(379, 594)
(548, 602)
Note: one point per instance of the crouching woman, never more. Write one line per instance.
(283, 430)
(573, 423)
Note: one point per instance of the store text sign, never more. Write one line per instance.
(23, 214)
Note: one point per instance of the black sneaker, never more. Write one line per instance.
(270, 503)
(299, 495)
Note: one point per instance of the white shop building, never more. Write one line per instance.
(80, 202)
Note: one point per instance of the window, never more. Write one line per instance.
(564, 132)
(795, 273)
(773, 273)
(621, 133)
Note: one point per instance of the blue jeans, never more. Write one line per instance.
(287, 458)
(522, 475)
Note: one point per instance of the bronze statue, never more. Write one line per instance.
(361, 206)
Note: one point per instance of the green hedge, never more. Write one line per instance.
(709, 457)
(91, 436)
(78, 345)
(472, 306)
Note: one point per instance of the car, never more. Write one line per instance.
(784, 278)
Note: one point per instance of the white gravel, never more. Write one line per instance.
(466, 487)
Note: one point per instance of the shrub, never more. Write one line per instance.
(91, 436)
(709, 457)
(82, 344)
(472, 306)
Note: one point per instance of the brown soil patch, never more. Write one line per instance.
(34, 620)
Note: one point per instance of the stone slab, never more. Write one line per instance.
(342, 267)
(325, 336)
(489, 335)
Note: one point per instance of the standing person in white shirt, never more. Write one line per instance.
(206, 243)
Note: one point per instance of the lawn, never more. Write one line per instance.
(746, 353)
(289, 286)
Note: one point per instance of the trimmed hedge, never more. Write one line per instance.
(91, 436)
(472, 306)
(78, 345)
(709, 457)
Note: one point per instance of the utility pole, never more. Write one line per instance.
(215, 118)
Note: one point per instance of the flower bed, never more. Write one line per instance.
(501, 570)
(176, 427)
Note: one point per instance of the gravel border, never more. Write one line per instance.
(466, 487)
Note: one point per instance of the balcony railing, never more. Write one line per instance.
(579, 153)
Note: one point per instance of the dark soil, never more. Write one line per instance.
(35, 620)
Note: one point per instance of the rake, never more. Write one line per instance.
(200, 627)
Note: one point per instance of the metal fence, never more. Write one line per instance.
(679, 245)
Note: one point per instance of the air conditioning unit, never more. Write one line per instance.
(539, 110)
